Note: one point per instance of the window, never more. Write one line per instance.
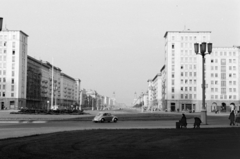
(12, 88)
(13, 52)
(230, 67)
(3, 94)
(234, 89)
(234, 96)
(186, 89)
(3, 87)
(216, 68)
(181, 88)
(172, 96)
(234, 68)
(186, 81)
(230, 60)
(190, 88)
(172, 74)
(195, 74)
(216, 82)
(186, 96)
(4, 72)
(216, 75)
(172, 89)
(195, 96)
(234, 82)
(13, 73)
(216, 96)
(186, 74)
(223, 83)
(212, 89)
(181, 81)
(12, 81)
(12, 94)
(212, 96)
(172, 82)
(190, 96)
(172, 46)
(181, 96)
(195, 88)
(212, 82)
(230, 89)
(182, 74)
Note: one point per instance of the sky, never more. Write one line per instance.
(115, 45)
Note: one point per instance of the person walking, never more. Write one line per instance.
(237, 121)
(232, 118)
(183, 121)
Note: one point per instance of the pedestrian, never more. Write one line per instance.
(197, 122)
(232, 118)
(183, 121)
(237, 121)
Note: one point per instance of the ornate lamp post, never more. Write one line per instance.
(203, 48)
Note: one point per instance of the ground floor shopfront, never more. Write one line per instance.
(12, 103)
(196, 105)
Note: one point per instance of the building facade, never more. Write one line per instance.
(13, 69)
(183, 73)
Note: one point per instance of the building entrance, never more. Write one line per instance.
(2, 105)
(173, 107)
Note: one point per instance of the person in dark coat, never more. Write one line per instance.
(183, 121)
(232, 118)
(197, 122)
(237, 121)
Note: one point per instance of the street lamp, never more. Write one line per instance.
(203, 48)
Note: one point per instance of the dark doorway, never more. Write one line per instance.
(2, 105)
(173, 107)
(189, 107)
(223, 107)
(12, 104)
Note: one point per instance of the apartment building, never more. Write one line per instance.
(13, 66)
(183, 73)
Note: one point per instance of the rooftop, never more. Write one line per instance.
(188, 31)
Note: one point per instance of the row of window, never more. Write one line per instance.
(224, 97)
(223, 90)
(189, 38)
(220, 53)
(2, 94)
(188, 59)
(223, 75)
(188, 81)
(6, 36)
(223, 68)
(223, 83)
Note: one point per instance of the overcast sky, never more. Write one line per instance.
(115, 45)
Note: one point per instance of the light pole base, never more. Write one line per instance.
(204, 117)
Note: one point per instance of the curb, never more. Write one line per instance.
(21, 121)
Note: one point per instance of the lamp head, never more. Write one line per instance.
(203, 47)
(209, 48)
(196, 48)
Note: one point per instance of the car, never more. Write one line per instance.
(105, 117)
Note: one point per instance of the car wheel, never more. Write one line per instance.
(115, 120)
(102, 120)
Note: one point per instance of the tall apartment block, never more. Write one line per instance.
(13, 65)
(182, 74)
